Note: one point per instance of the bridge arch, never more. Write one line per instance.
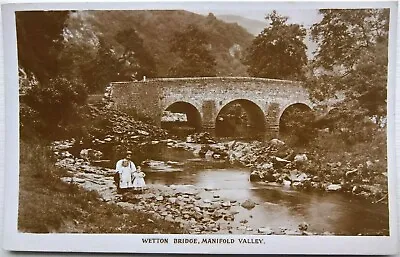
(191, 119)
(290, 112)
(240, 117)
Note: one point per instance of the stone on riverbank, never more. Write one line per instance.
(90, 154)
(265, 231)
(334, 187)
(303, 226)
(300, 158)
(248, 204)
(226, 204)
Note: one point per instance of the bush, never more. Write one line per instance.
(350, 125)
(298, 126)
(48, 107)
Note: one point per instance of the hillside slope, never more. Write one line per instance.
(157, 28)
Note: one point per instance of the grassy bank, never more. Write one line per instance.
(363, 161)
(46, 204)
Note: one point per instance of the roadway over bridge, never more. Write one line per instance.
(202, 99)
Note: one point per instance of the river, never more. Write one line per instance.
(278, 207)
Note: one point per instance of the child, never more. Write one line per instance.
(138, 182)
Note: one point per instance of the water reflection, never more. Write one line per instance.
(277, 206)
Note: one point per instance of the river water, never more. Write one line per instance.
(277, 206)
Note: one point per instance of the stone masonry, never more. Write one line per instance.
(209, 95)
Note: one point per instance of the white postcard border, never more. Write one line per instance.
(13, 240)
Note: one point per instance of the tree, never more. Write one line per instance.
(88, 55)
(278, 51)
(39, 40)
(135, 61)
(193, 48)
(343, 36)
(98, 72)
(352, 57)
(50, 98)
(79, 51)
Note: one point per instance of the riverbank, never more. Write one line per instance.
(276, 162)
(319, 167)
(49, 205)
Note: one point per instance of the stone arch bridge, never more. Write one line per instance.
(202, 99)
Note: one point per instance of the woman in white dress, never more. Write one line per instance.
(138, 182)
(125, 168)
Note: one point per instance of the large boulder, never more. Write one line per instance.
(301, 177)
(294, 174)
(201, 138)
(256, 175)
(276, 143)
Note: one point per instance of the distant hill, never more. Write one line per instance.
(252, 26)
(157, 28)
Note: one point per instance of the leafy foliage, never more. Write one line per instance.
(352, 58)
(157, 29)
(297, 125)
(344, 35)
(192, 46)
(100, 46)
(39, 39)
(278, 51)
(79, 58)
(49, 98)
(103, 69)
(135, 61)
(52, 104)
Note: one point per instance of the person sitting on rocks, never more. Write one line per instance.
(138, 182)
(124, 171)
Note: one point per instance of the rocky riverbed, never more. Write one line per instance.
(274, 161)
(214, 205)
(203, 210)
(199, 210)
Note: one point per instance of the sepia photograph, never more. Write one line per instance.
(220, 123)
